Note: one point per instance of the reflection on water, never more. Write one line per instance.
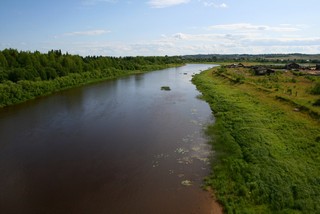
(121, 146)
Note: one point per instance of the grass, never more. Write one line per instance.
(267, 154)
(299, 90)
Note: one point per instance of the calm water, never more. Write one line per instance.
(120, 146)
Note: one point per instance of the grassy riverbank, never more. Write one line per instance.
(267, 153)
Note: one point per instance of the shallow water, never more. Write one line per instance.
(121, 146)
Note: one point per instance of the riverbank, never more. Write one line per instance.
(17, 92)
(267, 154)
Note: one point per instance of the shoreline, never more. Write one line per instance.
(15, 93)
(265, 149)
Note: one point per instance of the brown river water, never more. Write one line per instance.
(120, 146)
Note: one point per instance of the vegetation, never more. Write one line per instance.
(261, 58)
(316, 89)
(301, 91)
(268, 151)
(26, 75)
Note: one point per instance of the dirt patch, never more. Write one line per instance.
(216, 208)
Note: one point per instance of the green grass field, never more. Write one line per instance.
(267, 153)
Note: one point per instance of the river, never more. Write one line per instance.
(120, 146)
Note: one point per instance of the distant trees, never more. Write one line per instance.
(25, 65)
(3, 61)
(25, 75)
(279, 58)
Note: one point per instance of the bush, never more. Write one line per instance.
(316, 103)
(316, 89)
(239, 78)
(221, 70)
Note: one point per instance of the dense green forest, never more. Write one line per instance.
(25, 75)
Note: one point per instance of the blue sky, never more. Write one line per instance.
(161, 27)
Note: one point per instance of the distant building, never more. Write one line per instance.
(261, 70)
(239, 65)
(292, 66)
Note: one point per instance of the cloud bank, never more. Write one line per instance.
(183, 44)
(87, 33)
(235, 38)
(251, 27)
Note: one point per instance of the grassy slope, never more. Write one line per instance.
(268, 156)
(289, 86)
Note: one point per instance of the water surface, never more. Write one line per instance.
(121, 146)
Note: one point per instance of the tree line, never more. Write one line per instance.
(25, 75)
(35, 66)
(273, 58)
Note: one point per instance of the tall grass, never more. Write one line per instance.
(268, 157)
(316, 89)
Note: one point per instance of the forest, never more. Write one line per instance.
(25, 75)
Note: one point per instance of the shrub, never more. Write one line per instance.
(316, 103)
(221, 70)
(316, 89)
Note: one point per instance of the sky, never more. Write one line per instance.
(161, 27)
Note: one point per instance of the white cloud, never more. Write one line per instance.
(214, 4)
(284, 41)
(193, 44)
(180, 36)
(214, 38)
(250, 27)
(238, 43)
(223, 5)
(242, 39)
(166, 3)
(87, 33)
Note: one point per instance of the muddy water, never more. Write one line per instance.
(121, 146)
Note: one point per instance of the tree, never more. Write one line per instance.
(3, 61)
(24, 59)
(3, 75)
(42, 73)
(11, 56)
(51, 73)
(17, 74)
